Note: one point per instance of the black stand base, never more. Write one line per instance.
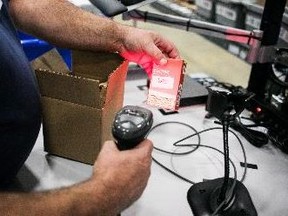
(201, 198)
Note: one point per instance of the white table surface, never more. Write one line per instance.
(165, 194)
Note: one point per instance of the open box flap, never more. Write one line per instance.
(95, 65)
(109, 68)
(69, 88)
(116, 82)
(51, 60)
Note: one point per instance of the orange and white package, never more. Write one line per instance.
(166, 84)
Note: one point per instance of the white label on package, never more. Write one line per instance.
(1, 3)
(162, 82)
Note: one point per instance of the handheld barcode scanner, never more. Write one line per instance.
(131, 125)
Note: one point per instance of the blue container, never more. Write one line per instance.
(34, 48)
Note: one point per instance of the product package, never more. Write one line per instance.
(166, 84)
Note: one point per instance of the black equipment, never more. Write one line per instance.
(131, 125)
(269, 80)
(224, 196)
(111, 8)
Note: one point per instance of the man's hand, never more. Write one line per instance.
(146, 48)
(123, 175)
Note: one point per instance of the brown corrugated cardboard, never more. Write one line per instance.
(78, 109)
(51, 60)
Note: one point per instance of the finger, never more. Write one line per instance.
(168, 48)
(156, 54)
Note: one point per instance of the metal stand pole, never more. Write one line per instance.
(270, 25)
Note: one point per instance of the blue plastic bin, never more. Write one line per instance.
(34, 48)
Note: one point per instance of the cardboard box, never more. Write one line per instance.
(79, 107)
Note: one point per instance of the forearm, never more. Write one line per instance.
(82, 199)
(39, 203)
(66, 25)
